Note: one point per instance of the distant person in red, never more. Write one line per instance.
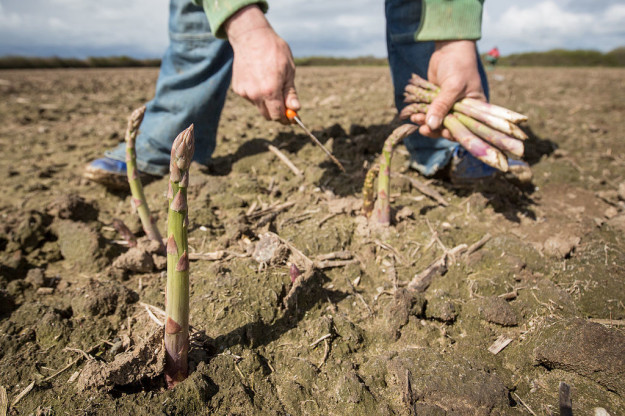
(492, 56)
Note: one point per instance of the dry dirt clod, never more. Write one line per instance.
(585, 348)
(621, 191)
(135, 260)
(36, 278)
(618, 223)
(73, 207)
(404, 303)
(81, 245)
(145, 361)
(270, 250)
(441, 309)
(561, 245)
(6, 302)
(102, 298)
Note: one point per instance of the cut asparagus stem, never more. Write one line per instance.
(368, 196)
(136, 188)
(382, 207)
(177, 293)
(492, 136)
(474, 145)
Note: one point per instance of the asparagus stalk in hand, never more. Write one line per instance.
(487, 108)
(136, 188)
(492, 136)
(177, 293)
(476, 146)
(483, 112)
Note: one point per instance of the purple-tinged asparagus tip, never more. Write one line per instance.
(135, 118)
(184, 182)
(175, 174)
(179, 202)
(183, 148)
(172, 247)
(183, 263)
(170, 191)
(172, 327)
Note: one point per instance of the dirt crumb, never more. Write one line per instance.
(496, 310)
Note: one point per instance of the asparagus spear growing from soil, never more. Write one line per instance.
(136, 188)
(382, 207)
(368, 196)
(177, 293)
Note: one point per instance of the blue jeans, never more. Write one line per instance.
(191, 88)
(406, 57)
(196, 71)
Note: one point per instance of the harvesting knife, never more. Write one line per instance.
(292, 115)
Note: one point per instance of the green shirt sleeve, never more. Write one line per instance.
(218, 11)
(450, 20)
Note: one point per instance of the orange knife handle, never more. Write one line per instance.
(290, 114)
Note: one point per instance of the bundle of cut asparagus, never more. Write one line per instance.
(485, 130)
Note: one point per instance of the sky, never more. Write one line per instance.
(348, 28)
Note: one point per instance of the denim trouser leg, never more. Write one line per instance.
(191, 88)
(406, 57)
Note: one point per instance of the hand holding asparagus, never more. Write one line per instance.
(485, 130)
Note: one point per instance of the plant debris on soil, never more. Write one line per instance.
(482, 300)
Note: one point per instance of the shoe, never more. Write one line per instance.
(465, 169)
(111, 173)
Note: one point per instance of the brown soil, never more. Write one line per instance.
(355, 340)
